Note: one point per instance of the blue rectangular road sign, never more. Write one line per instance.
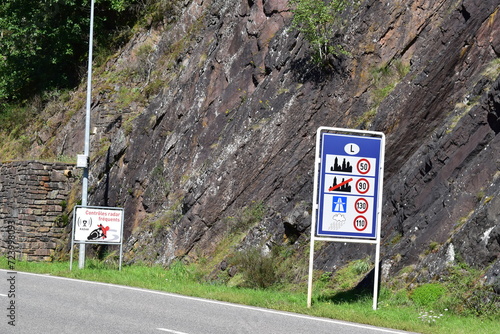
(348, 181)
(349, 185)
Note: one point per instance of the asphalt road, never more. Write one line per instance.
(48, 304)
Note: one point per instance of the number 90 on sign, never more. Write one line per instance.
(362, 186)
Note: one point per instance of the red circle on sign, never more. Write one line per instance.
(364, 186)
(361, 205)
(363, 223)
(361, 167)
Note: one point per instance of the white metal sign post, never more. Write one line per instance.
(97, 225)
(347, 197)
(85, 157)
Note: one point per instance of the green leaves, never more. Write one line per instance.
(319, 21)
(43, 43)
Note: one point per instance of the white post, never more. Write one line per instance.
(376, 275)
(310, 277)
(81, 256)
(317, 166)
(376, 278)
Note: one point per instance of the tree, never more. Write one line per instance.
(320, 21)
(42, 43)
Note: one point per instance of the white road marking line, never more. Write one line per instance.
(170, 331)
(283, 313)
(1, 294)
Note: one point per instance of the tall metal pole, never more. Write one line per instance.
(85, 181)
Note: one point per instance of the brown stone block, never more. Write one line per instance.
(40, 196)
(56, 185)
(44, 229)
(51, 245)
(29, 217)
(58, 176)
(38, 245)
(37, 166)
(27, 211)
(48, 208)
(42, 252)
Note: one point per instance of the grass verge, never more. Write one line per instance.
(184, 279)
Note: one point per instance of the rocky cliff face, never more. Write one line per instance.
(201, 120)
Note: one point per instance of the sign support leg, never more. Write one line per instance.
(310, 276)
(376, 276)
(71, 256)
(121, 257)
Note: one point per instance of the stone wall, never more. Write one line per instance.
(33, 197)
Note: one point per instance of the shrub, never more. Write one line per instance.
(320, 22)
(257, 269)
(468, 294)
(427, 295)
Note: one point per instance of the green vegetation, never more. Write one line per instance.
(383, 80)
(468, 296)
(44, 43)
(418, 313)
(427, 295)
(14, 119)
(44, 46)
(320, 21)
(258, 270)
(248, 216)
(36, 81)
(433, 247)
(492, 69)
(168, 217)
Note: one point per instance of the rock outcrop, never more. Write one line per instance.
(195, 120)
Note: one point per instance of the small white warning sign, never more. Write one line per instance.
(96, 224)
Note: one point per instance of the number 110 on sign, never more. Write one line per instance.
(360, 223)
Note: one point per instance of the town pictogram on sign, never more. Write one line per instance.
(348, 185)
